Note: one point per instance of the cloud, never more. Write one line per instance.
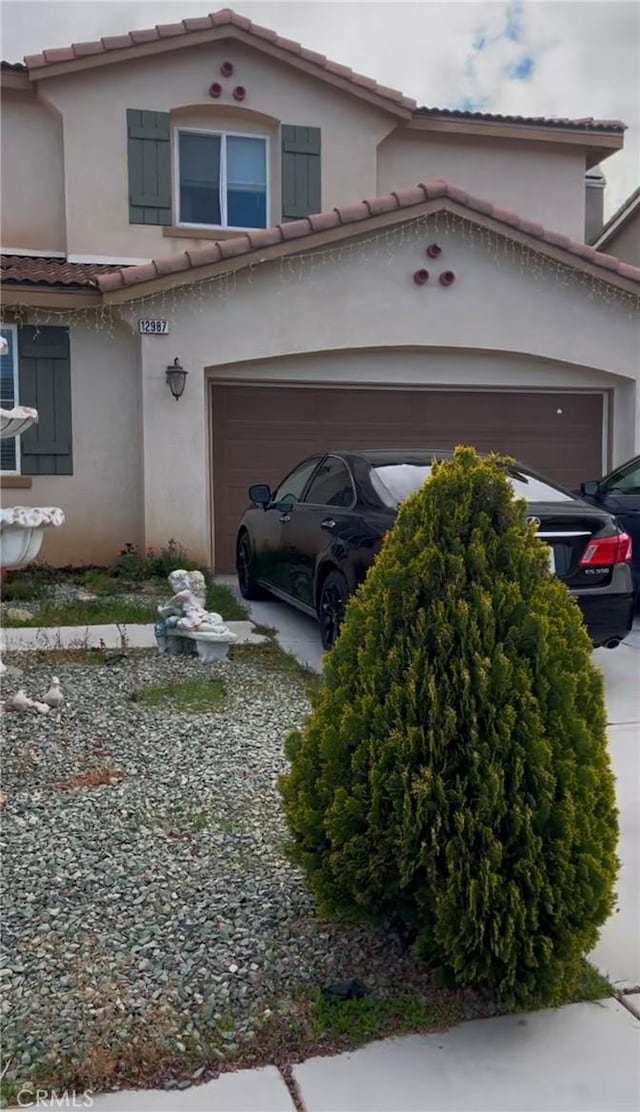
(523, 69)
(446, 54)
(497, 51)
(514, 22)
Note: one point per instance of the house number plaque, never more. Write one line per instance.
(153, 327)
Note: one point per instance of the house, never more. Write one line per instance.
(191, 194)
(620, 236)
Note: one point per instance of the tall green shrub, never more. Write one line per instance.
(454, 773)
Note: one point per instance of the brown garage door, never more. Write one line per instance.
(261, 432)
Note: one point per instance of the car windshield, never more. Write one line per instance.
(394, 481)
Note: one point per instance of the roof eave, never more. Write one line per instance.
(308, 242)
(401, 108)
(598, 144)
(39, 295)
(16, 79)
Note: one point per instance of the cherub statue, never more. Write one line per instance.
(186, 610)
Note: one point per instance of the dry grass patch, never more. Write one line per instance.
(93, 778)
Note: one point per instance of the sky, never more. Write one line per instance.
(541, 58)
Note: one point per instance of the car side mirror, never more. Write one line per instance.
(591, 487)
(260, 494)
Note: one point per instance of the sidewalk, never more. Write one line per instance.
(30, 638)
(582, 1058)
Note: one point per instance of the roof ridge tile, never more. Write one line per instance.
(396, 201)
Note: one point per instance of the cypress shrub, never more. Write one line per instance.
(453, 776)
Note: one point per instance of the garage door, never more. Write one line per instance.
(260, 432)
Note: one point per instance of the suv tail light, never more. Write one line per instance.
(606, 551)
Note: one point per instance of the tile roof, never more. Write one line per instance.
(223, 18)
(586, 123)
(31, 270)
(36, 63)
(252, 243)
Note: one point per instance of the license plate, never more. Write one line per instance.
(552, 561)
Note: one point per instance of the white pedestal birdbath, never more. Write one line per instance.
(21, 527)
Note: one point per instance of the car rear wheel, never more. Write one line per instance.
(249, 589)
(334, 594)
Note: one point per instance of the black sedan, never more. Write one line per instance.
(311, 541)
(619, 494)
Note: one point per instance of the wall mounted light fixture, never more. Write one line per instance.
(176, 378)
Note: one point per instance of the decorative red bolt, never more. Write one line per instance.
(226, 69)
(434, 250)
(420, 277)
(447, 278)
(239, 93)
(215, 89)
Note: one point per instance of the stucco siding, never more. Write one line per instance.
(505, 321)
(541, 182)
(32, 209)
(94, 107)
(103, 498)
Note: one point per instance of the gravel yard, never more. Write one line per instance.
(148, 902)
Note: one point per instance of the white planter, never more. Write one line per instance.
(22, 532)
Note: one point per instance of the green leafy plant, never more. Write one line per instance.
(137, 566)
(97, 582)
(453, 777)
(130, 564)
(28, 583)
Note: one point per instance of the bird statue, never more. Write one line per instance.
(19, 701)
(54, 697)
(40, 708)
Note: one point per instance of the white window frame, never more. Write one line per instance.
(13, 328)
(223, 136)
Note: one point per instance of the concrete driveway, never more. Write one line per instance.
(618, 951)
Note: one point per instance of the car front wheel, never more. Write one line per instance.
(249, 589)
(332, 602)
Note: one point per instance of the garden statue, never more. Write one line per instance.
(53, 700)
(185, 613)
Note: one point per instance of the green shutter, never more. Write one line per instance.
(301, 173)
(149, 155)
(45, 383)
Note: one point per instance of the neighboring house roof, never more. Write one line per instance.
(350, 220)
(31, 270)
(228, 24)
(616, 222)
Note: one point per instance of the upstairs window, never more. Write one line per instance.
(222, 180)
